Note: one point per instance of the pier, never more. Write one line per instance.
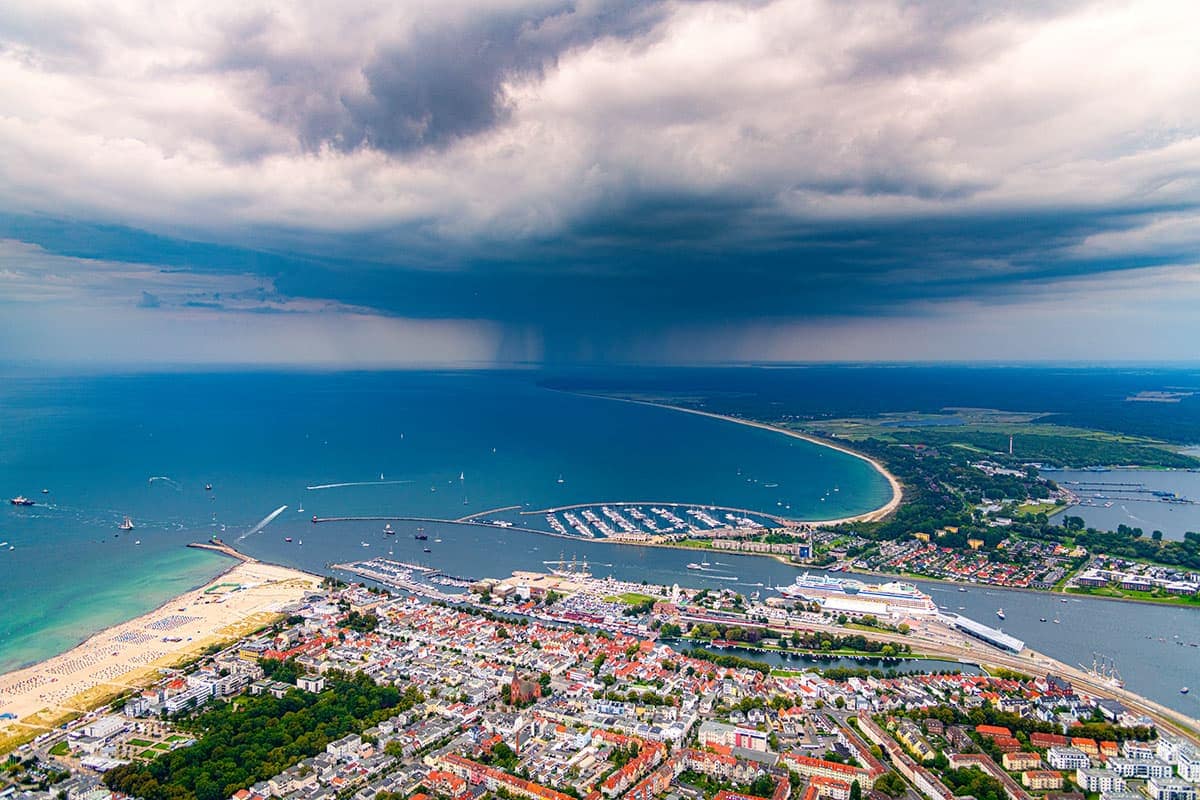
(217, 546)
(463, 521)
(790, 523)
(478, 514)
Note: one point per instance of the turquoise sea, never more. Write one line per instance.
(146, 445)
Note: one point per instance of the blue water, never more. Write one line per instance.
(1133, 503)
(147, 445)
(260, 439)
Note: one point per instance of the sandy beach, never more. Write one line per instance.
(130, 655)
(870, 516)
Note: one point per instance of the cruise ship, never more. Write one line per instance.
(847, 594)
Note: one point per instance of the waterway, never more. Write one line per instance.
(445, 444)
(1140, 639)
(271, 444)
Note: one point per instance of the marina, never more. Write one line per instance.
(191, 425)
(1157, 666)
(1164, 500)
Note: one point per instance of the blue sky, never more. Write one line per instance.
(537, 180)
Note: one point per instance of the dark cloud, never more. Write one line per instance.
(442, 82)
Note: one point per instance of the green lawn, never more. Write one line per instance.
(139, 743)
(1129, 594)
(629, 598)
(60, 749)
(1048, 508)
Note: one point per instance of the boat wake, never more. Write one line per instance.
(320, 486)
(264, 523)
(174, 484)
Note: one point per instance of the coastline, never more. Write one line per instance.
(868, 516)
(131, 655)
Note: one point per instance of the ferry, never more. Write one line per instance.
(126, 524)
(847, 594)
(21, 500)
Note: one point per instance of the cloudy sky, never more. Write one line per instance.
(369, 184)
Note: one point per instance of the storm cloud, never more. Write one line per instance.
(606, 173)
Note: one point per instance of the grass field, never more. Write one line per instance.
(629, 598)
(1130, 594)
(986, 432)
(1048, 508)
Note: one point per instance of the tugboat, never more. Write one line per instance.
(21, 500)
(126, 524)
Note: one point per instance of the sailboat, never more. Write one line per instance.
(126, 524)
(381, 476)
(560, 478)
